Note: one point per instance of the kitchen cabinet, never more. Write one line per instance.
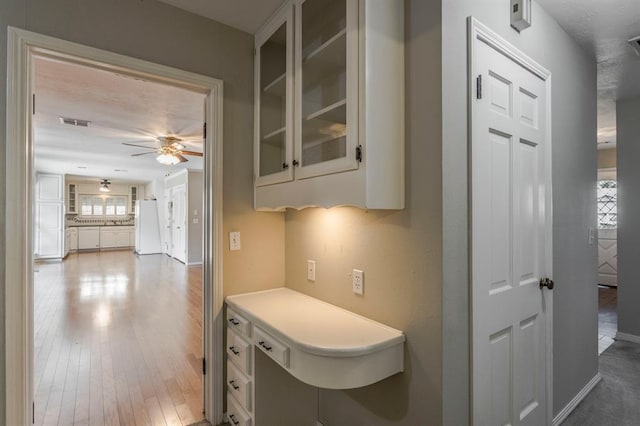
(72, 198)
(115, 236)
(332, 133)
(49, 235)
(136, 192)
(88, 238)
(70, 240)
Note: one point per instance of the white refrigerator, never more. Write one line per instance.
(147, 227)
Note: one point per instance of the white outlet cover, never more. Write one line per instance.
(234, 241)
(311, 270)
(358, 281)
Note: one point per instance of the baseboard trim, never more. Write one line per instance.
(628, 337)
(562, 415)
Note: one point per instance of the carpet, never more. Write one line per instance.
(615, 401)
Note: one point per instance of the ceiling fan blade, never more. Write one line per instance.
(143, 153)
(194, 153)
(138, 146)
(180, 157)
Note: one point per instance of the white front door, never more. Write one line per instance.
(179, 223)
(168, 224)
(510, 188)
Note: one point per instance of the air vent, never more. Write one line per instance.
(74, 122)
(635, 44)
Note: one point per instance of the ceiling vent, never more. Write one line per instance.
(635, 44)
(74, 122)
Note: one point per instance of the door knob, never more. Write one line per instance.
(546, 282)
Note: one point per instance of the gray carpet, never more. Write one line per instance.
(615, 401)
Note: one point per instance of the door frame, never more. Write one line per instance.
(23, 46)
(480, 33)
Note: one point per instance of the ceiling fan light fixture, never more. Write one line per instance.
(104, 186)
(167, 159)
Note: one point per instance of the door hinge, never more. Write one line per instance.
(204, 366)
(359, 153)
(479, 87)
(204, 130)
(34, 104)
(33, 412)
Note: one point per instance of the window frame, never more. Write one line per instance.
(124, 202)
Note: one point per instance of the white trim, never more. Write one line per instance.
(194, 264)
(479, 31)
(626, 337)
(562, 415)
(22, 46)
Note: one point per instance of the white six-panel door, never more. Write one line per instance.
(509, 184)
(179, 223)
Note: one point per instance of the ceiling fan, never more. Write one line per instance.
(169, 149)
(104, 186)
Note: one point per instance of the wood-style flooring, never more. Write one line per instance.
(607, 316)
(118, 340)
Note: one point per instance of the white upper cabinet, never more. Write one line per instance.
(340, 137)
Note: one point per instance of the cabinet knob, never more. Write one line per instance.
(234, 350)
(233, 384)
(233, 419)
(285, 166)
(234, 321)
(295, 163)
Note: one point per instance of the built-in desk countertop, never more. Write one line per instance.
(318, 343)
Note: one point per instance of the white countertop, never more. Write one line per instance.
(315, 326)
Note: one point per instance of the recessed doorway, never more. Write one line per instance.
(25, 50)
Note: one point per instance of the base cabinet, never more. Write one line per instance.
(115, 236)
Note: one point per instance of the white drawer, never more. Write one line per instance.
(235, 414)
(272, 347)
(239, 385)
(239, 351)
(237, 322)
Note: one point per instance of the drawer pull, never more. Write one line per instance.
(233, 419)
(234, 350)
(233, 385)
(234, 321)
(265, 346)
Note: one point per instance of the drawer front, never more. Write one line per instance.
(239, 351)
(272, 347)
(239, 386)
(235, 414)
(238, 323)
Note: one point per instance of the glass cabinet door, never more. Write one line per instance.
(274, 91)
(326, 86)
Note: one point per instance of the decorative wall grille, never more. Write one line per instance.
(607, 204)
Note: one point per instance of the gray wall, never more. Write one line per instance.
(400, 252)
(628, 144)
(160, 33)
(574, 176)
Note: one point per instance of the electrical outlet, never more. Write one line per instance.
(234, 241)
(311, 270)
(358, 281)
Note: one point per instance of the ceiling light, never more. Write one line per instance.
(104, 186)
(167, 159)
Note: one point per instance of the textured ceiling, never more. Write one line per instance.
(120, 109)
(245, 15)
(602, 27)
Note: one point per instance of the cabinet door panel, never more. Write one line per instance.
(326, 87)
(273, 99)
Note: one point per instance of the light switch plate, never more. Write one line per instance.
(358, 281)
(234, 241)
(311, 270)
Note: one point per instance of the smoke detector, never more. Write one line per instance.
(74, 122)
(635, 44)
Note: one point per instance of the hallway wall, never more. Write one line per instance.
(574, 198)
(166, 35)
(628, 144)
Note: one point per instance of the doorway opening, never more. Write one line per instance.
(25, 50)
(607, 204)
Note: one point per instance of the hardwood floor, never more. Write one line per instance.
(118, 340)
(607, 316)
